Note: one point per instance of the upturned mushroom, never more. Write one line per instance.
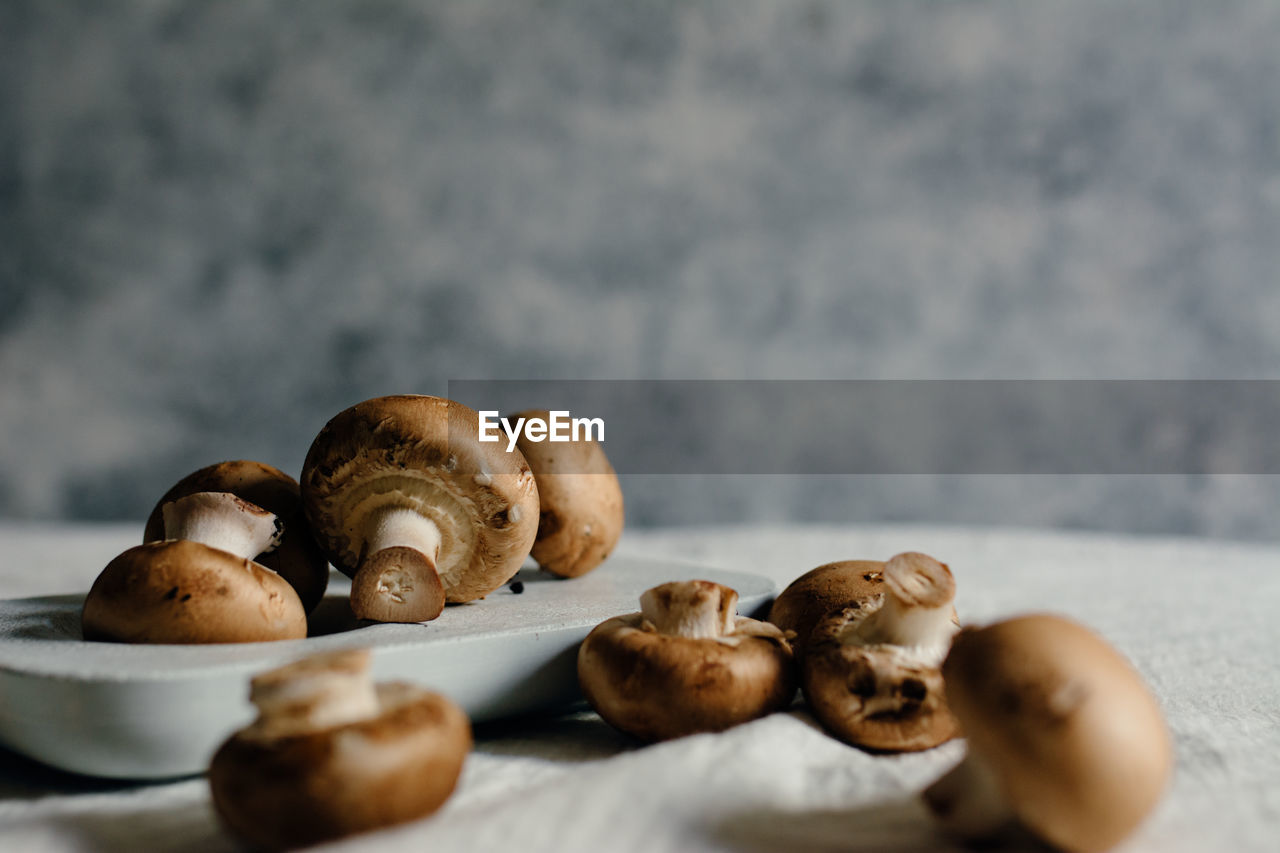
(817, 592)
(580, 513)
(331, 754)
(685, 664)
(199, 585)
(1065, 739)
(297, 559)
(870, 672)
(406, 500)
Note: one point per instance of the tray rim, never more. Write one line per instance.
(245, 657)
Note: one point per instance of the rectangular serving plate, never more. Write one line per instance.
(160, 711)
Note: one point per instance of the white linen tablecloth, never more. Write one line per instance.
(1200, 619)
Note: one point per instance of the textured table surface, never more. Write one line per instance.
(1197, 617)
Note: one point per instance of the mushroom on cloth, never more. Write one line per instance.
(406, 500)
(331, 754)
(816, 593)
(685, 664)
(1065, 739)
(870, 671)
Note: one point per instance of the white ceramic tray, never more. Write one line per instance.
(151, 712)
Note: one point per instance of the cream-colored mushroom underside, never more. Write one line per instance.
(435, 498)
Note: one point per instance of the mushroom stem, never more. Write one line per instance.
(968, 800)
(222, 520)
(314, 694)
(397, 527)
(695, 609)
(917, 608)
(397, 580)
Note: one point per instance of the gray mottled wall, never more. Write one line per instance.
(220, 223)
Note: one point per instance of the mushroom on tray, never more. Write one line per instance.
(332, 754)
(1064, 738)
(870, 671)
(580, 502)
(297, 559)
(685, 664)
(200, 584)
(406, 500)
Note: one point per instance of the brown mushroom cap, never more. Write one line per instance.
(185, 592)
(657, 686)
(298, 559)
(580, 514)
(285, 786)
(1075, 740)
(419, 459)
(878, 697)
(813, 595)
(870, 672)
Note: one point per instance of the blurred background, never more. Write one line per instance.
(221, 223)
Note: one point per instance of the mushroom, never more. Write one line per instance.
(685, 664)
(331, 754)
(297, 559)
(199, 585)
(580, 512)
(405, 499)
(1064, 737)
(819, 591)
(870, 672)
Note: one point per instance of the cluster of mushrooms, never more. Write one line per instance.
(396, 492)
(400, 495)
(1065, 741)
